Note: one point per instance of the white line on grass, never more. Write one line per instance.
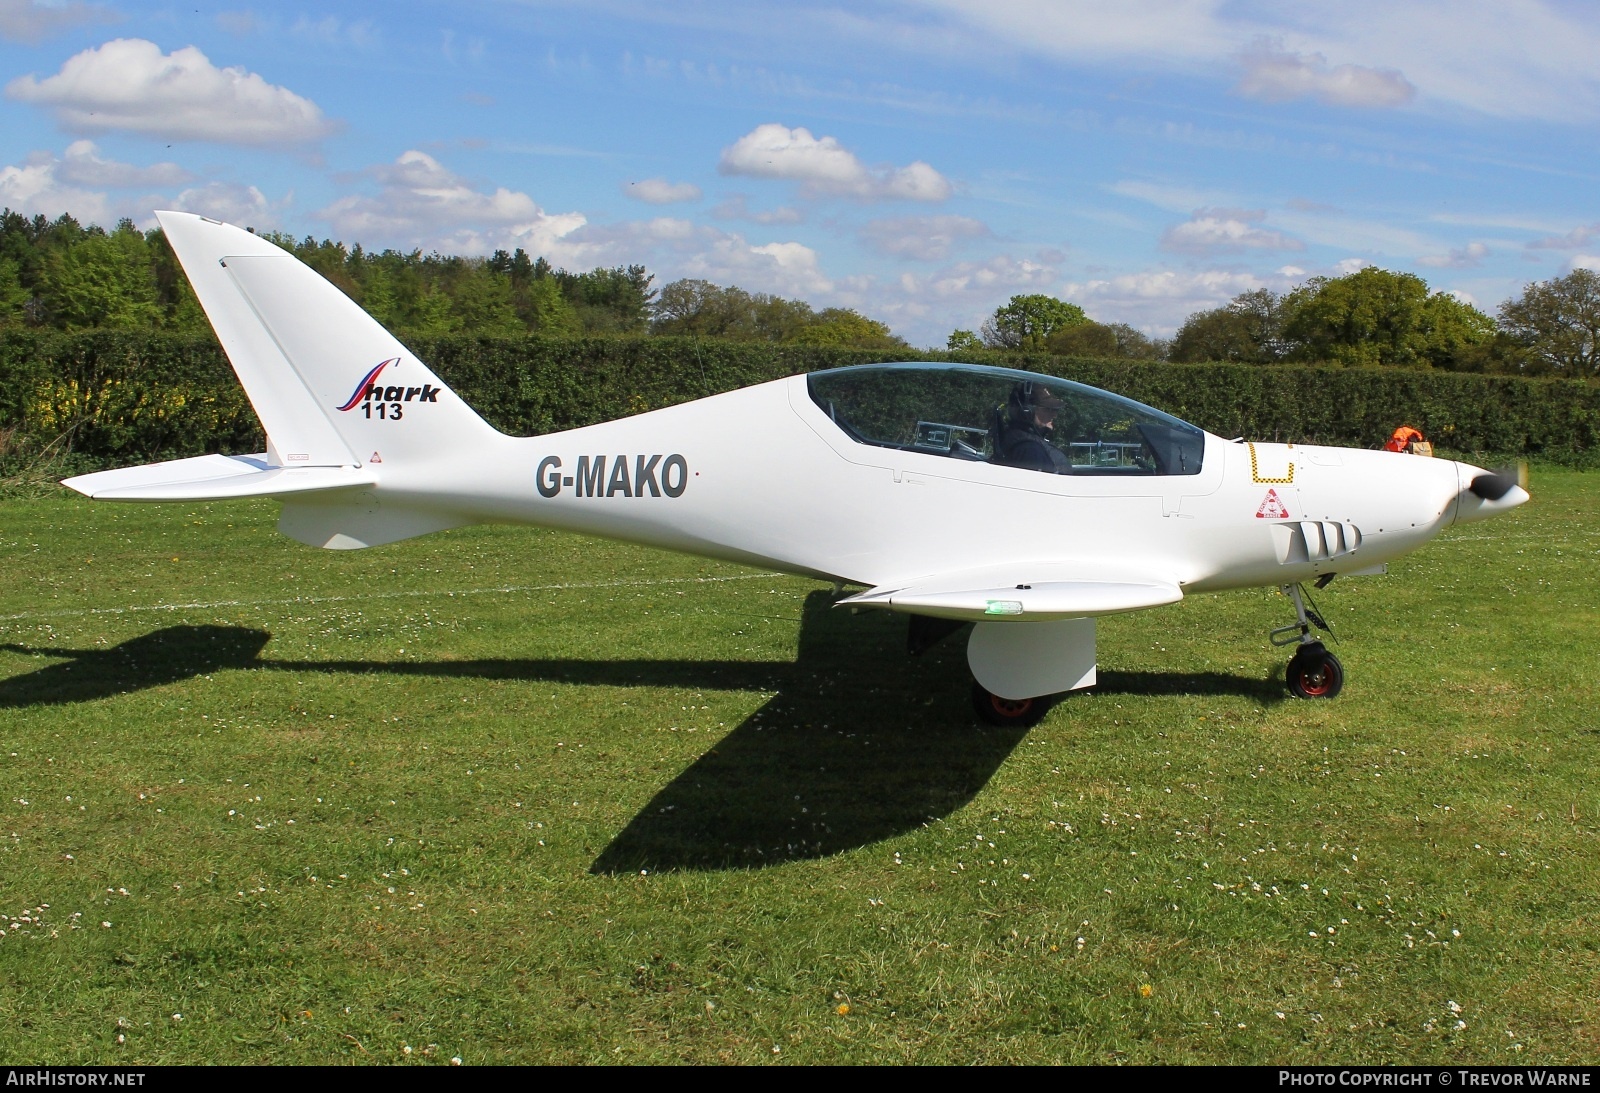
(500, 591)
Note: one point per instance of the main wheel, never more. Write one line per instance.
(1315, 673)
(1007, 713)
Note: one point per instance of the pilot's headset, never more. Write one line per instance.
(1021, 401)
(1026, 397)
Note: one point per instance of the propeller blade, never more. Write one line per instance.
(1517, 472)
(1491, 486)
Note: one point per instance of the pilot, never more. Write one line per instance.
(1024, 436)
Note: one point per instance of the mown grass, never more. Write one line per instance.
(515, 796)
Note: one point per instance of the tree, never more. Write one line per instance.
(431, 315)
(483, 304)
(549, 313)
(1117, 341)
(610, 301)
(103, 281)
(849, 329)
(1026, 322)
(1216, 335)
(1558, 322)
(1378, 317)
(961, 340)
(696, 308)
(1248, 328)
(12, 295)
(699, 309)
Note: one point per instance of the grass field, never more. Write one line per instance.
(511, 796)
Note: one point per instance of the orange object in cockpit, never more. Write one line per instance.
(1407, 439)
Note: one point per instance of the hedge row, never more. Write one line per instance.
(113, 398)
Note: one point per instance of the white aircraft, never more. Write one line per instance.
(1024, 504)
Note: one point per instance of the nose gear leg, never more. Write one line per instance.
(1313, 672)
(1306, 615)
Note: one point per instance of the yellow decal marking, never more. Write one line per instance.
(1255, 471)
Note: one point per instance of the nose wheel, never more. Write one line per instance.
(1008, 713)
(1313, 672)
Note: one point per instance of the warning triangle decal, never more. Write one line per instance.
(1272, 508)
(376, 458)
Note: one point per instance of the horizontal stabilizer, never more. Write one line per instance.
(1037, 592)
(215, 478)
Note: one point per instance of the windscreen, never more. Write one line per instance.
(1004, 416)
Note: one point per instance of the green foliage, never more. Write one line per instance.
(1487, 417)
(12, 295)
(129, 398)
(1557, 323)
(699, 308)
(1112, 341)
(1026, 322)
(105, 282)
(59, 275)
(547, 312)
(963, 341)
(609, 301)
(846, 328)
(1378, 317)
(1248, 329)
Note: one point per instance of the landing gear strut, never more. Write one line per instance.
(1313, 672)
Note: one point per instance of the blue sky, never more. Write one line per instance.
(920, 161)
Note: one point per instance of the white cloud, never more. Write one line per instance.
(1226, 230)
(1586, 261)
(927, 238)
(76, 182)
(737, 207)
(226, 201)
(331, 31)
(1504, 58)
(129, 84)
(82, 165)
(1300, 222)
(422, 203)
(924, 308)
(793, 267)
(1465, 257)
(35, 189)
(1351, 265)
(239, 23)
(658, 191)
(30, 20)
(1086, 29)
(1577, 237)
(1272, 75)
(674, 247)
(994, 277)
(1171, 198)
(824, 166)
(1159, 300)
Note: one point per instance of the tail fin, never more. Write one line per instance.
(331, 386)
(346, 407)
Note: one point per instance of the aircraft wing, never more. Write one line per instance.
(1033, 592)
(214, 478)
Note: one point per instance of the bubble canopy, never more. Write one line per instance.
(1005, 416)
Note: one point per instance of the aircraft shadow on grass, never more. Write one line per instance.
(858, 743)
(155, 659)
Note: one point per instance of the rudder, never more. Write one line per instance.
(332, 387)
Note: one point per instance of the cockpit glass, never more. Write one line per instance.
(1000, 415)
